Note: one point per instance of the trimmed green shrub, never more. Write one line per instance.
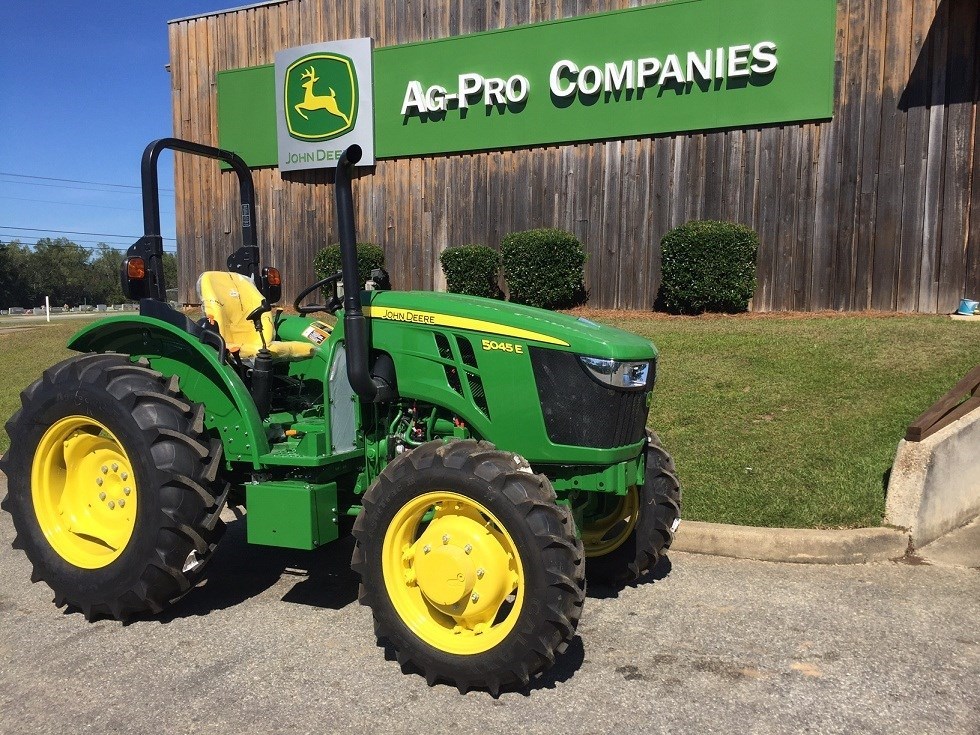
(369, 257)
(544, 268)
(708, 266)
(472, 270)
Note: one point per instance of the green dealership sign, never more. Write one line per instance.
(687, 65)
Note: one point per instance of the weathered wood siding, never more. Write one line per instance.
(875, 209)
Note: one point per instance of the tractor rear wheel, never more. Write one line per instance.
(624, 536)
(111, 486)
(473, 572)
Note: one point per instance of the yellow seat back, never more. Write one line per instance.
(227, 298)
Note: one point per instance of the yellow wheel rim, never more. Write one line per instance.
(84, 492)
(453, 573)
(607, 533)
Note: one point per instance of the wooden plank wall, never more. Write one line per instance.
(874, 209)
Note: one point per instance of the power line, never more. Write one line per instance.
(93, 248)
(75, 232)
(79, 204)
(118, 247)
(8, 237)
(74, 181)
(81, 188)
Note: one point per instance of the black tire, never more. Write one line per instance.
(542, 531)
(659, 511)
(177, 521)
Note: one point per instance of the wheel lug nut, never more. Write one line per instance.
(475, 597)
(115, 467)
(445, 539)
(98, 481)
(127, 490)
(122, 503)
(124, 476)
(104, 469)
(468, 549)
(101, 496)
(111, 505)
(479, 573)
(426, 549)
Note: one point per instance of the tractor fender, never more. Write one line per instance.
(229, 407)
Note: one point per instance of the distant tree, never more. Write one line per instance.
(60, 270)
(15, 288)
(170, 269)
(66, 272)
(104, 275)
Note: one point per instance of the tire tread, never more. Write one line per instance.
(189, 508)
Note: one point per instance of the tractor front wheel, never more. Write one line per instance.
(473, 572)
(110, 485)
(625, 535)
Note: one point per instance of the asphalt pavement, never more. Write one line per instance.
(275, 642)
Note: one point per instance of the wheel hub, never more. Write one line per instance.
(451, 582)
(445, 574)
(610, 523)
(460, 566)
(84, 492)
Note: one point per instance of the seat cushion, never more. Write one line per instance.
(227, 299)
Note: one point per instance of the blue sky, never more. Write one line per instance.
(83, 89)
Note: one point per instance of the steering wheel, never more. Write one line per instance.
(331, 306)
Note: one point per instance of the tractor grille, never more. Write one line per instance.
(578, 411)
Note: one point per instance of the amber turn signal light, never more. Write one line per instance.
(136, 268)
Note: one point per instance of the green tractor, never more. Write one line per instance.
(488, 454)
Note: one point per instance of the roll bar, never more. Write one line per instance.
(245, 260)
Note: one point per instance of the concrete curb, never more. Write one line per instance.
(794, 545)
(935, 483)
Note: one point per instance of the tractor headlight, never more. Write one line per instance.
(618, 373)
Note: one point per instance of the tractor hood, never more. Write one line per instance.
(504, 321)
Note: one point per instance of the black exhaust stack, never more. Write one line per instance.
(369, 388)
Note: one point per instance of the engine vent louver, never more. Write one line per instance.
(463, 365)
(442, 343)
(479, 395)
(466, 351)
(452, 377)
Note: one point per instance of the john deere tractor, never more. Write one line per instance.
(490, 455)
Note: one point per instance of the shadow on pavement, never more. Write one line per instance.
(565, 667)
(240, 571)
(598, 591)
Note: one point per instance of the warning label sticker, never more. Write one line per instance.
(317, 333)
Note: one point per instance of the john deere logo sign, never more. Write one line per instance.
(321, 97)
(324, 103)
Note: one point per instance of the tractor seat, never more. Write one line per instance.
(227, 298)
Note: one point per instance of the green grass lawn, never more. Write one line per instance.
(25, 351)
(778, 421)
(773, 421)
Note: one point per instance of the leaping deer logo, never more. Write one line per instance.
(313, 101)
